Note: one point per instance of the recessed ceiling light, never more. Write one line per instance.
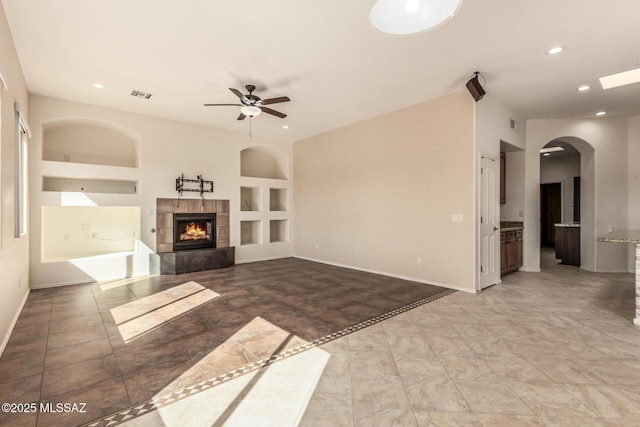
(546, 154)
(620, 79)
(601, 113)
(584, 88)
(285, 127)
(98, 85)
(555, 50)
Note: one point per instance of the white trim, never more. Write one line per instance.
(5, 341)
(69, 283)
(530, 270)
(609, 270)
(247, 261)
(396, 276)
(24, 125)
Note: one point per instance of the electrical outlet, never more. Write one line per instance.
(67, 237)
(317, 246)
(419, 261)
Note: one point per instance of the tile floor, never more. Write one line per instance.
(556, 348)
(117, 344)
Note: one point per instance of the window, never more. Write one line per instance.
(22, 174)
(3, 87)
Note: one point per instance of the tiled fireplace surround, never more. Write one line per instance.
(165, 208)
(168, 261)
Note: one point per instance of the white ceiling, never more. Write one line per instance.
(336, 68)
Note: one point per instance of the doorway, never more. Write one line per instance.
(550, 212)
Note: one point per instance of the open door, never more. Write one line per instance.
(550, 212)
(489, 230)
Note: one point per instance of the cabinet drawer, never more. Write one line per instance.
(511, 235)
(503, 236)
(518, 234)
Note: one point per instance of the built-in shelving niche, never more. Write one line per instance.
(264, 202)
(278, 230)
(250, 199)
(250, 232)
(278, 200)
(263, 162)
(89, 141)
(79, 185)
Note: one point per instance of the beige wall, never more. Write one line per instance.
(379, 194)
(14, 253)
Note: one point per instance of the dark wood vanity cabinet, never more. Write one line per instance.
(510, 251)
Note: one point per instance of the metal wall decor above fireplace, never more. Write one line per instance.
(194, 231)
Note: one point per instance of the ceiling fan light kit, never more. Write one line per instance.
(252, 105)
(402, 17)
(250, 110)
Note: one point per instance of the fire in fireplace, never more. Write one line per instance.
(194, 231)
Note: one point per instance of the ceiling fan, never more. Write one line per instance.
(252, 105)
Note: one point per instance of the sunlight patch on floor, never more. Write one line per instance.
(276, 395)
(139, 317)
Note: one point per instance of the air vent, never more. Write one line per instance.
(143, 95)
(513, 124)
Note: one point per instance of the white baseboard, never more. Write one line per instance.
(610, 270)
(59, 284)
(246, 261)
(396, 276)
(5, 341)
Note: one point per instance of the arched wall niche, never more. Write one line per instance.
(264, 162)
(89, 141)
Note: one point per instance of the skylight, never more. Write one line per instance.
(620, 79)
(551, 149)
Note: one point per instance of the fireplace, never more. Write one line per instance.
(194, 231)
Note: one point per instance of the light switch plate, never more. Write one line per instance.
(456, 218)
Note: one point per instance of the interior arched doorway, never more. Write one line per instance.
(584, 211)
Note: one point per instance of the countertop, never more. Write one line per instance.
(622, 236)
(568, 224)
(511, 225)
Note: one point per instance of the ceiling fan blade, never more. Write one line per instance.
(218, 105)
(275, 100)
(237, 92)
(241, 116)
(273, 112)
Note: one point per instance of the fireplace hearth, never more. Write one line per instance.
(194, 231)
